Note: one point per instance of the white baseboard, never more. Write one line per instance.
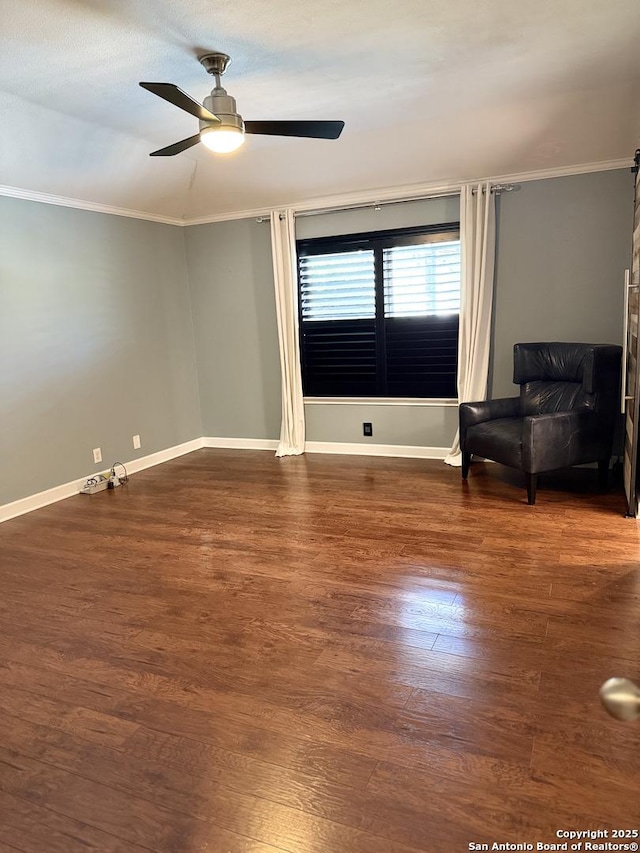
(408, 451)
(241, 443)
(37, 501)
(339, 447)
(67, 490)
(152, 459)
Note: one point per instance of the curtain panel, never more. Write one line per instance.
(283, 250)
(478, 249)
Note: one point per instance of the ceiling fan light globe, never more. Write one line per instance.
(222, 140)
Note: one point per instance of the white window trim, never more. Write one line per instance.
(379, 401)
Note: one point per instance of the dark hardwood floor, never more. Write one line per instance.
(322, 654)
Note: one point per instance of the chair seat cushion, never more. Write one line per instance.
(500, 440)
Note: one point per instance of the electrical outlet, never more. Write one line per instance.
(367, 429)
(136, 442)
(97, 455)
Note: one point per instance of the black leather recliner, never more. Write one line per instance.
(565, 414)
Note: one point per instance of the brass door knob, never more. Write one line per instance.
(621, 698)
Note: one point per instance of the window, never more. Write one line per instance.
(379, 313)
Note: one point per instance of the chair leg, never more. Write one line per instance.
(532, 485)
(466, 461)
(603, 474)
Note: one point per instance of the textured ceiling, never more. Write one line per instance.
(430, 91)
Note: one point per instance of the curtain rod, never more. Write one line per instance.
(499, 188)
(378, 205)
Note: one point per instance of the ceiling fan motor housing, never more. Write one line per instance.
(224, 107)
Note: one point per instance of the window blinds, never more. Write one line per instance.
(379, 314)
(338, 286)
(422, 280)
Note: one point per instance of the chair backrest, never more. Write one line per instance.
(564, 377)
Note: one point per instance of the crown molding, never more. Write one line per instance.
(255, 213)
(80, 204)
(563, 171)
(408, 192)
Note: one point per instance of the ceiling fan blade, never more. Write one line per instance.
(177, 147)
(309, 129)
(180, 99)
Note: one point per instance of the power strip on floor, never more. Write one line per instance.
(101, 481)
(95, 484)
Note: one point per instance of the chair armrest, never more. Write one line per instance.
(488, 410)
(560, 439)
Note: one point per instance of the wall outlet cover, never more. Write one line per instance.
(97, 455)
(136, 442)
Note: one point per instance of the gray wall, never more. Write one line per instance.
(233, 301)
(96, 343)
(97, 340)
(425, 426)
(562, 249)
(236, 333)
(563, 244)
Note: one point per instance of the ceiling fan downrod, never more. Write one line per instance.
(216, 64)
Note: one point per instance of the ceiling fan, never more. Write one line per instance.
(222, 128)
